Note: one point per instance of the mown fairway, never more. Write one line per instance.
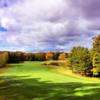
(33, 81)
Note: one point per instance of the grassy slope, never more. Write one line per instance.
(33, 81)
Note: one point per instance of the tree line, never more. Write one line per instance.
(17, 57)
(82, 60)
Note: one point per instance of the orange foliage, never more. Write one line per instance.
(49, 56)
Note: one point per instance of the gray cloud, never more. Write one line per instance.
(88, 8)
(59, 24)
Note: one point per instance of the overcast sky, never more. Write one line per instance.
(48, 25)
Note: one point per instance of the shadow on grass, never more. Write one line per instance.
(25, 88)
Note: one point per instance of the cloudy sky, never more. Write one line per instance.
(48, 25)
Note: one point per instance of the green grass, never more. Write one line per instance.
(34, 81)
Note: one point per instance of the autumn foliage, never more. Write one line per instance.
(62, 56)
(49, 56)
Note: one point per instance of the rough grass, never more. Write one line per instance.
(34, 81)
